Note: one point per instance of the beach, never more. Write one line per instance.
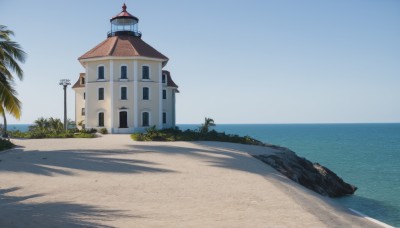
(112, 181)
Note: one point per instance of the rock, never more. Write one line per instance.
(311, 175)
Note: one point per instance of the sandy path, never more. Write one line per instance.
(113, 181)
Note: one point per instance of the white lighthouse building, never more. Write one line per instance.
(124, 87)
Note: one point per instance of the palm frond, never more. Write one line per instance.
(5, 33)
(8, 98)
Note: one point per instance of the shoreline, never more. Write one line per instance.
(385, 225)
(224, 182)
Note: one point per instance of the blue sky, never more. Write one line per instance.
(256, 61)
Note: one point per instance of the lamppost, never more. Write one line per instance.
(65, 83)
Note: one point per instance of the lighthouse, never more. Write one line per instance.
(125, 88)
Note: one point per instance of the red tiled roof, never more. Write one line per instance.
(78, 83)
(123, 46)
(170, 82)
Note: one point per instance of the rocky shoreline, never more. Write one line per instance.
(311, 175)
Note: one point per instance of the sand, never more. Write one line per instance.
(113, 181)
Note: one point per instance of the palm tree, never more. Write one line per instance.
(41, 126)
(55, 125)
(10, 54)
(205, 128)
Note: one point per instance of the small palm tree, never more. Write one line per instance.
(41, 125)
(205, 127)
(10, 54)
(55, 125)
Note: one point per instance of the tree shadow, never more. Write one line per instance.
(237, 157)
(64, 162)
(227, 155)
(15, 212)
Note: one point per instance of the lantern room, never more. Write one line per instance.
(124, 24)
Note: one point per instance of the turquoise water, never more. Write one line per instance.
(366, 155)
(20, 127)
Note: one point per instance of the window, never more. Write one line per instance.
(164, 94)
(123, 72)
(145, 93)
(145, 119)
(84, 96)
(101, 94)
(124, 93)
(164, 78)
(164, 117)
(145, 72)
(101, 119)
(83, 111)
(100, 72)
(82, 81)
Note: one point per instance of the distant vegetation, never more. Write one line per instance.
(203, 133)
(52, 128)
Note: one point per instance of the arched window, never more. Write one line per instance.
(124, 74)
(146, 93)
(145, 119)
(101, 119)
(100, 72)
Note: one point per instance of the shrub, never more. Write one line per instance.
(137, 137)
(52, 128)
(84, 135)
(103, 131)
(203, 133)
(5, 144)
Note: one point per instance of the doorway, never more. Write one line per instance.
(123, 119)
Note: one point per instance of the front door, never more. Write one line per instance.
(123, 119)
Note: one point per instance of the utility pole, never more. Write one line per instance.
(65, 83)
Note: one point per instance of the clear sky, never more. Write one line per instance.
(259, 61)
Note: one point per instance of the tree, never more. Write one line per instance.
(11, 54)
(40, 126)
(205, 127)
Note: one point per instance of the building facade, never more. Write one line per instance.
(124, 87)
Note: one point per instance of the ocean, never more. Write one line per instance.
(365, 155)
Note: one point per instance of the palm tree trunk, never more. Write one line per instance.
(4, 133)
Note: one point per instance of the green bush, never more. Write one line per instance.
(137, 137)
(202, 134)
(103, 131)
(5, 144)
(52, 128)
(84, 135)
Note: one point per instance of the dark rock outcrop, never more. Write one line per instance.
(311, 175)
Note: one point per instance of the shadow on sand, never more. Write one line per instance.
(233, 156)
(15, 212)
(212, 153)
(65, 161)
